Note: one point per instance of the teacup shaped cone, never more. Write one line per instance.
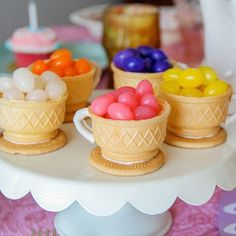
(29, 122)
(124, 78)
(193, 117)
(125, 141)
(79, 88)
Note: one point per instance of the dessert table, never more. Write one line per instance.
(20, 217)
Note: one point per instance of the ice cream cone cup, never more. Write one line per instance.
(130, 141)
(193, 117)
(124, 78)
(26, 122)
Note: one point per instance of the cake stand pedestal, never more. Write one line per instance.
(92, 203)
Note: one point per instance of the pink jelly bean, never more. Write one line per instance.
(150, 101)
(144, 112)
(144, 87)
(128, 99)
(100, 104)
(126, 89)
(119, 111)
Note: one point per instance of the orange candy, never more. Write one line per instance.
(59, 71)
(61, 62)
(63, 52)
(39, 67)
(82, 66)
(70, 71)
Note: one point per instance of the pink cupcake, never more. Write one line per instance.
(29, 46)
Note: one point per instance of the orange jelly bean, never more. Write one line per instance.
(70, 71)
(63, 52)
(82, 66)
(39, 67)
(59, 71)
(61, 62)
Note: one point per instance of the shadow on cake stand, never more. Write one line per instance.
(92, 203)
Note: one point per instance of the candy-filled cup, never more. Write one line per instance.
(79, 88)
(29, 122)
(197, 118)
(125, 141)
(124, 78)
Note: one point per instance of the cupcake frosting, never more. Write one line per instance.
(23, 40)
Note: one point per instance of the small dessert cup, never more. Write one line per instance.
(31, 127)
(124, 78)
(196, 122)
(125, 147)
(80, 88)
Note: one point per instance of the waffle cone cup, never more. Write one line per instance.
(192, 117)
(26, 122)
(130, 141)
(124, 78)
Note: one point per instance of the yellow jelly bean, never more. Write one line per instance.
(170, 87)
(172, 74)
(209, 73)
(191, 78)
(216, 88)
(191, 92)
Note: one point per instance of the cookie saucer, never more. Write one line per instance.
(207, 142)
(120, 169)
(33, 149)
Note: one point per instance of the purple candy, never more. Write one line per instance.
(145, 51)
(133, 64)
(158, 55)
(161, 66)
(148, 64)
(122, 55)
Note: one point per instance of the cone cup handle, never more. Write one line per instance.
(231, 117)
(97, 75)
(81, 125)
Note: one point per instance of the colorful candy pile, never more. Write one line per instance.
(193, 82)
(143, 59)
(62, 63)
(128, 103)
(25, 86)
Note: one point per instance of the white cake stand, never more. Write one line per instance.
(91, 203)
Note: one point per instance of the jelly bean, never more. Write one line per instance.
(37, 95)
(145, 51)
(191, 92)
(59, 71)
(82, 66)
(209, 73)
(61, 62)
(24, 79)
(63, 52)
(119, 111)
(133, 64)
(144, 112)
(147, 65)
(6, 83)
(158, 55)
(191, 78)
(170, 87)
(56, 89)
(172, 74)
(39, 67)
(126, 89)
(128, 99)
(160, 66)
(144, 87)
(100, 104)
(122, 55)
(70, 71)
(216, 88)
(150, 101)
(13, 94)
(49, 76)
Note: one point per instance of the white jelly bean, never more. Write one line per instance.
(13, 94)
(38, 95)
(49, 76)
(24, 79)
(6, 83)
(56, 89)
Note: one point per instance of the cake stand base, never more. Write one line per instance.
(213, 141)
(128, 221)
